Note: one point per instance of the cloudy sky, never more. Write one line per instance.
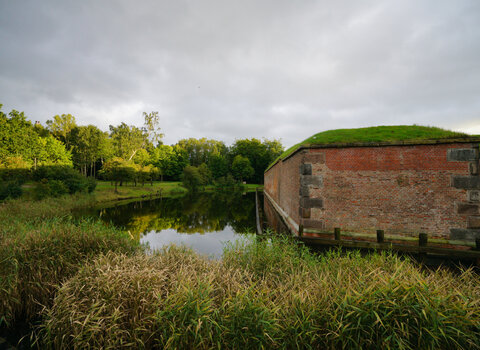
(236, 69)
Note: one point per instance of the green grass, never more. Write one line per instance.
(375, 134)
(263, 294)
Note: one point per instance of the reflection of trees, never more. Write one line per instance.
(205, 212)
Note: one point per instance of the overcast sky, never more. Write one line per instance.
(236, 69)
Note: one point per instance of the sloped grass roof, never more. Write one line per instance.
(375, 134)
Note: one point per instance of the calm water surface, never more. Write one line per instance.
(203, 222)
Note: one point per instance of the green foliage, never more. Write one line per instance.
(127, 140)
(241, 168)
(61, 126)
(19, 139)
(70, 178)
(260, 154)
(14, 169)
(218, 166)
(376, 134)
(10, 189)
(89, 144)
(152, 128)
(205, 174)
(49, 188)
(200, 151)
(192, 179)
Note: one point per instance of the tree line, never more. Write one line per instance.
(129, 153)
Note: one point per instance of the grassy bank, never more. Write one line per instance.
(105, 191)
(263, 295)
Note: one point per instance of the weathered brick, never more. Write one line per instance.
(314, 180)
(462, 154)
(460, 234)
(314, 224)
(473, 195)
(305, 191)
(467, 182)
(467, 208)
(403, 189)
(317, 158)
(306, 202)
(473, 222)
(306, 169)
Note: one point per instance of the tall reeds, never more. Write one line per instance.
(263, 294)
(40, 247)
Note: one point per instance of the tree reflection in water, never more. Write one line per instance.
(221, 216)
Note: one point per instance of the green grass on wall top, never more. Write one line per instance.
(375, 134)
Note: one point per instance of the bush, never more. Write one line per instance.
(19, 176)
(10, 190)
(72, 179)
(91, 184)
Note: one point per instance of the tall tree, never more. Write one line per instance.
(241, 168)
(127, 140)
(87, 142)
(61, 126)
(260, 154)
(201, 150)
(152, 128)
(19, 139)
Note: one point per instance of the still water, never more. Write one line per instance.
(203, 222)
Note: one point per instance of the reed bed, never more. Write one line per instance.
(263, 294)
(39, 250)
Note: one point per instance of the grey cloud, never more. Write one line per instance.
(229, 69)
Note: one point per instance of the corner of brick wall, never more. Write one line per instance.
(309, 182)
(470, 208)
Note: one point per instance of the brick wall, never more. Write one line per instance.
(401, 189)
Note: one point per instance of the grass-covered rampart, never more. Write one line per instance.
(376, 134)
(263, 295)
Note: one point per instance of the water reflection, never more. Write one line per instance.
(203, 221)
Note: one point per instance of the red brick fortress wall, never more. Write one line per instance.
(402, 189)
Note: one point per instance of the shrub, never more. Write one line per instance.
(72, 179)
(10, 189)
(41, 190)
(91, 184)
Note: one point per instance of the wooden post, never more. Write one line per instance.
(422, 239)
(380, 236)
(336, 231)
(300, 230)
(477, 243)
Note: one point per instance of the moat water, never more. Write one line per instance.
(204, 222)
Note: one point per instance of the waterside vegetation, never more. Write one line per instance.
(263, 294)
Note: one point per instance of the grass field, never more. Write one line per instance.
(375, 134)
